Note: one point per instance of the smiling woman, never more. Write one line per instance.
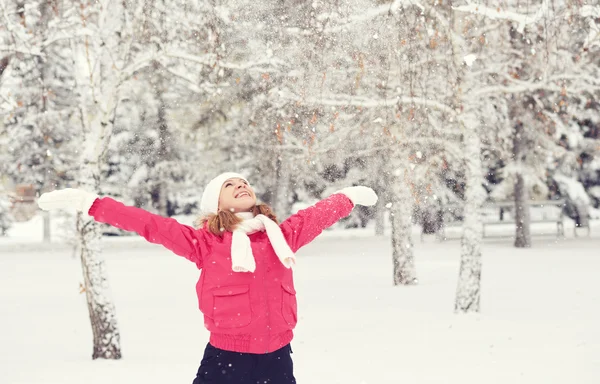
(236, 196)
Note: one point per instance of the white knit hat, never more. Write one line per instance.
(210, 197)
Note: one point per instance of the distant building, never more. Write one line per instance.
(22, 198)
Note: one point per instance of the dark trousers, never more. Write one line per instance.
(224, 367)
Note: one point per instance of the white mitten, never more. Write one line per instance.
(67, 198)
(360, 195)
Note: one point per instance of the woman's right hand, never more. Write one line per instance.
(67, 198)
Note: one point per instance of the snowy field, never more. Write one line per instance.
(539, 320)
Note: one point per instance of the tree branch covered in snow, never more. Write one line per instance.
(211, 60)
(497, 13)
(367, 102)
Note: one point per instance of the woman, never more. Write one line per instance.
(246, 289)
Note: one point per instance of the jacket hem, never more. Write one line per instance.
(246, 343)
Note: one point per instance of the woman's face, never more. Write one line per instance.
(236, 196)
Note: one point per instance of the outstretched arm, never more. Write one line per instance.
(302, 227)
(183, 240)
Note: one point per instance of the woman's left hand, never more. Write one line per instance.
(360, 195)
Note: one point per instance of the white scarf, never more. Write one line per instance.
(242, 259)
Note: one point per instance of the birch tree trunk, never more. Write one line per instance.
(522, 214)
(97, 84)
(382, 165)
(41, 63)
(153, 26)
(164, 152)
(380, 218)
(47, 234)
(44, 108)
(101, 309)
(469, 279)
(400, 217)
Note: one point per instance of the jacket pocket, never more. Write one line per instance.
(289, 306)
(231, 308)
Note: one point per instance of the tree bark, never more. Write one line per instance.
(46, 216)
(402, 245)
(41, 63)
(380, 218)
(164, 152)
(101, 309)
(105, 331)
(522, 214)
(98, 98)
(469, 279)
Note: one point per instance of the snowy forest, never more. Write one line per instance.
(432, 103)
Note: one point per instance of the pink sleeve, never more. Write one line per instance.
(183, 240)
(302, 227)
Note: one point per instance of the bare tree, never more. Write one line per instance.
(97, 91)
(104, 58)
(522, 213)
(404, 272)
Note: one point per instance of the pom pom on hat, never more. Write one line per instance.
(210, 197)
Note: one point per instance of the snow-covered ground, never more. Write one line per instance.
(539, 320)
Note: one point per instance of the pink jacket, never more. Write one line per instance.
(244, 312)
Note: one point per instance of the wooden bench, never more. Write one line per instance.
(502, 213)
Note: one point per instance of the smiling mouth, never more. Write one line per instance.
(243, 194)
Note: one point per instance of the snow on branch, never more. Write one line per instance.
(8, 101)
(590, 11)
(496, 14)
(18, 34)
(550, 85)
(15, 49)
(367, 102)
(381, 10)
(514, 88)
(191, 83)
(212, 60)
(450, 147)
(66, 35)
(138, 65)
(590, 80)
(369, 15)
(387, 9)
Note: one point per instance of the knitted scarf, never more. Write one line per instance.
(242, 259)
